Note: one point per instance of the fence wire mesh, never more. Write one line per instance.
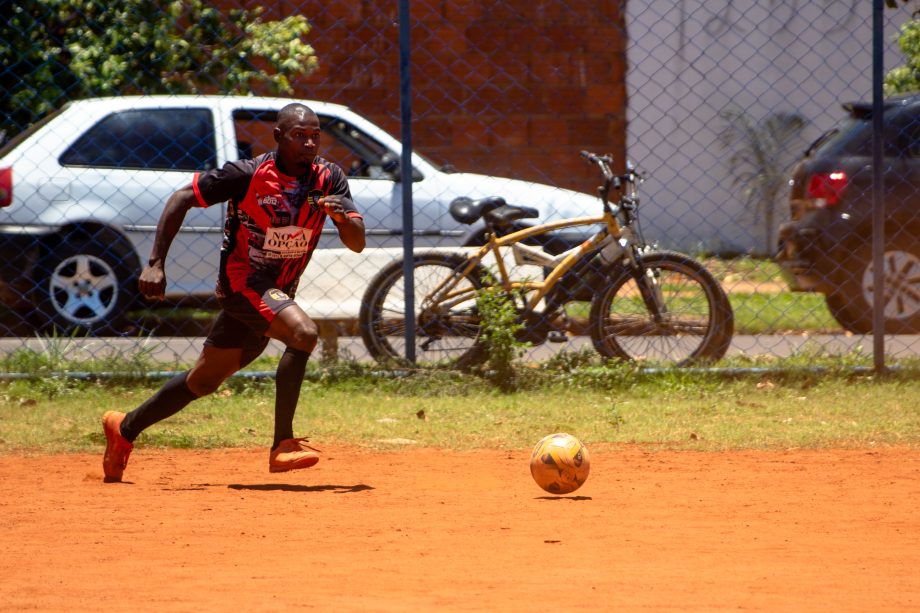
(108, 108)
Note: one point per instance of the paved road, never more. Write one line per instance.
(170, 351)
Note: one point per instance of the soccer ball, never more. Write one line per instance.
(559, 463)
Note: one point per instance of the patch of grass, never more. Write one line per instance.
(759, 298)
(762, 313)
(755, 271)
(601, 403)
(807, 400)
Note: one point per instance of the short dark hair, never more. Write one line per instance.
(293, 112)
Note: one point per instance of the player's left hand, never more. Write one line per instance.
(334, 208)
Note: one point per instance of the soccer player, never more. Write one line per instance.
(277, 204)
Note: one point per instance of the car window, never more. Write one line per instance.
(7, 144)
(846, 138)
(853, 137)
(365, 157)
(254, 136)
(151, 139)
(353, 150)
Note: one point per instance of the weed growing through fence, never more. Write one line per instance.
(500, 326)
(70, 354)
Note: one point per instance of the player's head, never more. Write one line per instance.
(297, 133)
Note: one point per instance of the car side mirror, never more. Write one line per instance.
(390, 164)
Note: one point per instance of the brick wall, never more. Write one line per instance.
(514, 88)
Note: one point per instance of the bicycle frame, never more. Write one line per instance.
(645, 304)
(612, 234)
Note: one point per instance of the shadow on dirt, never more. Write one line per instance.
(285, 487)
(574, 498)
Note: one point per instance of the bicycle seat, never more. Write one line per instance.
(504, 215)
(494, 209)
(466, 210)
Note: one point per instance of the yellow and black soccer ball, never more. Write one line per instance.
(560, 463)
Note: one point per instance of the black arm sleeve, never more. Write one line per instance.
(230, 182)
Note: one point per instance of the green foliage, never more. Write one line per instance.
(56, 50)
(906, 78)
(569, 361)
(760, 160)
(499, 327)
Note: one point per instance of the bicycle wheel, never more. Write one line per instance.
(695, 323)
(446, 333)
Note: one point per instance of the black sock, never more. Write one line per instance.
(288, 379)
(169, 400)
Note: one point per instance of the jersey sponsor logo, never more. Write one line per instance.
(269, 204)
(287, 242)
(277, 207)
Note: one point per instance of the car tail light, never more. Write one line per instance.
(6, 187)
(827, 187)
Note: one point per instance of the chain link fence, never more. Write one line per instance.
(715, 102)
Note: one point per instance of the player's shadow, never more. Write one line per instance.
(288, 487)
(575, 498)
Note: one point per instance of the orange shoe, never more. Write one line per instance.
(117, 447)
(292, 454)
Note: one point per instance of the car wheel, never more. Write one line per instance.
(83, 285)
(839, 305)
(852, 307)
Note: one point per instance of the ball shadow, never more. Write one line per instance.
(573, 498)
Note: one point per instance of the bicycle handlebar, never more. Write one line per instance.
(593, 157)
(603, 162)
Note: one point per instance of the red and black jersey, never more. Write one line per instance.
(273, 220)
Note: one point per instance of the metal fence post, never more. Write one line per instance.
(878, 188)
(405, 95)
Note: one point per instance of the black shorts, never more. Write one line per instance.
(245, 317)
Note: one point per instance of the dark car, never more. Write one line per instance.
(827, 247)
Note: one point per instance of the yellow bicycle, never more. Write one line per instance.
(645, 304)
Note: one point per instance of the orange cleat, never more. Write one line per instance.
(117, 447)
(292, 454)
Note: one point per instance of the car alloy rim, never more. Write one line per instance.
(902, 284)
(84, 289)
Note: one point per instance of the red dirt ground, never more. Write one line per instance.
(415, 530)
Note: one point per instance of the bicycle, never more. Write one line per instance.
(645, 304)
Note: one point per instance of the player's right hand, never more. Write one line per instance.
(152, 283)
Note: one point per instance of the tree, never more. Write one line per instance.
(760, 161)
(56, 50)
(906, 78)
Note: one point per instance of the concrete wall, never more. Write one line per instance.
(689, 59)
